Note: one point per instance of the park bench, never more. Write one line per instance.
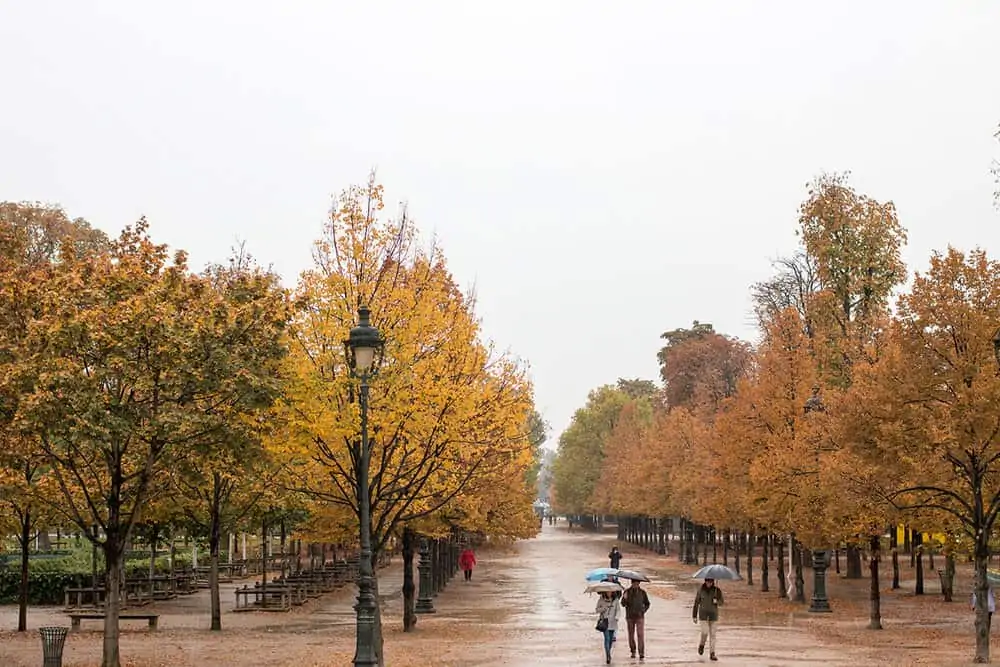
(269, 597)
(74, 597)
(312, 584)
(76, 617)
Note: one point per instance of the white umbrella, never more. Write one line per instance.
(604, 587)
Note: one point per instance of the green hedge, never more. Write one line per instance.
(48, 577)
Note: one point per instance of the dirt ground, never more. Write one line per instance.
(525, 608)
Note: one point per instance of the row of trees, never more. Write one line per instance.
(137, 394)
(846, 417)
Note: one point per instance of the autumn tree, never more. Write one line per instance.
(622, 487)
(134, 363)
(32, 239)
(580, 453)
(794, 285)
(931, 405)
(538, 433)
(230, 469)
(856, 242)
(701, 367)
(445, 408)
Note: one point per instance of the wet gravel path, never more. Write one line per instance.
(525, 607)
(538, 595)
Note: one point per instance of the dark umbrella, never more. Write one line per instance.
(631, 574)
(719, 572)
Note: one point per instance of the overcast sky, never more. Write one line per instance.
(601, 171)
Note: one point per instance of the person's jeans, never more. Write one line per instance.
(637, 629)
(707, 631)
(609, 639)
(468, 575)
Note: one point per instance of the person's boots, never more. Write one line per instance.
(701, 649)
(712, 657)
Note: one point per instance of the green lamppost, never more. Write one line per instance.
(819, 603)
(363, 349)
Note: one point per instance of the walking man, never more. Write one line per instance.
(615, 557)
(706, 614)
(636, 603)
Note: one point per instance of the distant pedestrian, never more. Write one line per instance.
(705, 613)
(467, 561)
(615, 557)
(607, 621)
(636, 604)
(991, 606)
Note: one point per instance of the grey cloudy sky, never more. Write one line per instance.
(602, 171)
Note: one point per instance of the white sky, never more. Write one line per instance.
(602, 171)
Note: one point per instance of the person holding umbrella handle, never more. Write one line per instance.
(706, 614)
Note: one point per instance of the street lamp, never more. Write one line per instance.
(819, 602)
(363, 350)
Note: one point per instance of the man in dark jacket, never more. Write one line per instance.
(636, 604)
(706, 613)
(615, 557)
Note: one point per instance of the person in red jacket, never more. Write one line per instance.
(467, 561)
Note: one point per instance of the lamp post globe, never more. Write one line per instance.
(363, 349)
(363, 344)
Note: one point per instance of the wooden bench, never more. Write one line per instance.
(76, 595)
(76, 617)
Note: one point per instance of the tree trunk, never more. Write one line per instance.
(736, 553)
(409, 589)
(782, 584)
(22, 592)
(875, 618)
(800, 584)
(750, 550)
(153, 535)
(284, 557)
(263, 554)
(982, 558)
(918, 588)
(214, 537)
(112, 605)
(853, 561)
(764, 585)
(949, 574)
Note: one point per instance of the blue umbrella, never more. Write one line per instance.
(601, 573)
(717, 572)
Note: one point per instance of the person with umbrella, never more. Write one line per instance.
(705, 613)
(636, 603)
(607, 617)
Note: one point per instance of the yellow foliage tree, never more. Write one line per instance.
(930, 406)
(445, 409)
